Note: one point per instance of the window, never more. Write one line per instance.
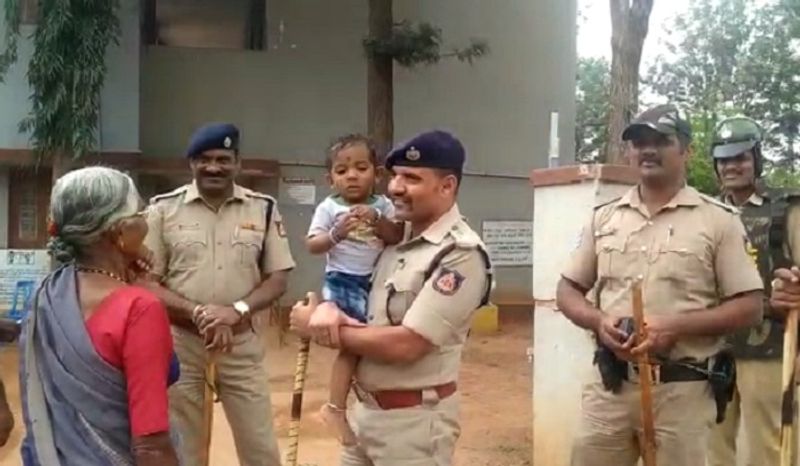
(231, 24)
(28, 198)
(28, 220)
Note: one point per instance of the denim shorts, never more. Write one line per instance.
(349, 292)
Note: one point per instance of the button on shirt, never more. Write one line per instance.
(690, 255)
(439, 309)
(215, 256)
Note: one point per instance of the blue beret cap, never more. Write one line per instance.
(213, 136)
(431, 149)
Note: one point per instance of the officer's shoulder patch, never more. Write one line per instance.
(448, 281)
(258, 195)
(714, 201)
(172, 194)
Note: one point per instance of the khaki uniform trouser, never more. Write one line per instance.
(424, 435)
(607, 435)
(243, 389)
(756, 408)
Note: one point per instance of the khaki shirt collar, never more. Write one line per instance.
(193, 194)
(687, 196)
(437, 231)
(754, 199)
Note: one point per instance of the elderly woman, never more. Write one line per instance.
(97, 355)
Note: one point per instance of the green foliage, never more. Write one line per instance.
(780, 177)
(736, 56)
(591, 118)
(12, 11)
(700, 169)
(413, 44)
(67, 72)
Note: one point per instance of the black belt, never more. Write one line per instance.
(675, 372)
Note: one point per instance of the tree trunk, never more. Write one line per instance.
(380, 85)
(629, 23)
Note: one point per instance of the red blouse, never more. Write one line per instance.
(130, 330)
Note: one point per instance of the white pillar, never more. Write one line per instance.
(562, 353)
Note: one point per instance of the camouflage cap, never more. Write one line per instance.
(665, 119)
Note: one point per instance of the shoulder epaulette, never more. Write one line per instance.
(258, 195)
(718, 203)
(173, 193)
(465, 237)
(603, 204)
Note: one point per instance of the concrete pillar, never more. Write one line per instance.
(562, 353)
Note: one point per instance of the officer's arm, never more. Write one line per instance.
(571, 301)
(792, 233)
(576, 280)
(179, 308)
(440, 314)
(269, 290)
(394, 344)
(738, 283)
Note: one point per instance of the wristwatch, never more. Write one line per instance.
(242, 308)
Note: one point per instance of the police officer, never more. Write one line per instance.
(756, 405)
(424, 293)
(689, 251)
(220, 255)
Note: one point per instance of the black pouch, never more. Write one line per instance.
(613, 370)
(723, 381)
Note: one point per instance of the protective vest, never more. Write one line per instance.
(766, 230)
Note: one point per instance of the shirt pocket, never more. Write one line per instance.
(683, 262)
(188, 247)
(611, 257)
(402, 290)
(247, 245)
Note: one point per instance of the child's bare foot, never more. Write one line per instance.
(336, 420)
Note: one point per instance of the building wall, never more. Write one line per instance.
(3, 207)
(311, 86)
(119, 129)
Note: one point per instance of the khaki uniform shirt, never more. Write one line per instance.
(439, 309)
(215, 257)
(690, 255)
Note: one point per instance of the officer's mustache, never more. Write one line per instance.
(650, 159)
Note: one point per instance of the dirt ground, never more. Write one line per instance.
(495, 386)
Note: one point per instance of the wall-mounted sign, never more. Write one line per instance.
(509, 242)
(20, 265)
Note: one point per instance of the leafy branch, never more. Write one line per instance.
(67, 71)
(413, 44)
(12, 11)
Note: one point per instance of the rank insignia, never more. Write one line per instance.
(448, 282)
(413, 154)
(227, 142)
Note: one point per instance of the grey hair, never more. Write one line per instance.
(84, 204)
